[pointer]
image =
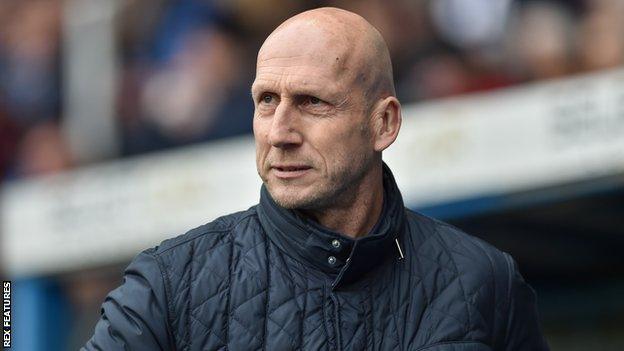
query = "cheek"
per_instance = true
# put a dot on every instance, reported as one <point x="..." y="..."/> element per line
<point x="341" y="148"/>
<point x="260" y="137"/>
<point x="257" y="126"/>
<point x="261" y="129"/>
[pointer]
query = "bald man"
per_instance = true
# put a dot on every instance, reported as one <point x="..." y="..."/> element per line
<point x="330" y="259"/>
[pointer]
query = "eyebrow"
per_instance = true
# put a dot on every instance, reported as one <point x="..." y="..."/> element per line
<point x="325" y="94"/>
<point x="257" y="87"/>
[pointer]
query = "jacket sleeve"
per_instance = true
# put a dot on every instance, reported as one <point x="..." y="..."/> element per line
<point x="134" y="316"/>
<point x="523" y="330"/>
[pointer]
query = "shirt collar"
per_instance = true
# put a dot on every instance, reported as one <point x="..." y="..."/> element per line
<point x="343" y="258"/>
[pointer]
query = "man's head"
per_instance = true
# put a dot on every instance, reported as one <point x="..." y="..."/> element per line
<point x="324" y="108"/>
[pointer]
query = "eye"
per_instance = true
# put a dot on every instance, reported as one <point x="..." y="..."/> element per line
<point x="267" y="98"/>
<point x="314" y="105"/>
<point x="310" y="100"/>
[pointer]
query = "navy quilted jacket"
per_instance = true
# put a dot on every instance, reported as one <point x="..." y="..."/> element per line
<point x="266" y="279"/>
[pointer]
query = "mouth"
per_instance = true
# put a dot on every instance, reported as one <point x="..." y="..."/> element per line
<point x="290" y="171"/>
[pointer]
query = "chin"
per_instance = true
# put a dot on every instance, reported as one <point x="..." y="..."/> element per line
<point x="290" y="197"/>
<point x="287" y="203"/>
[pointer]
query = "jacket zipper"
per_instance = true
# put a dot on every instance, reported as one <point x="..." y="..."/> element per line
<point x="336" y="321"/>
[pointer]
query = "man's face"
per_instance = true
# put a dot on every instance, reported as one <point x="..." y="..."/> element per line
<point x="312" y="139"/>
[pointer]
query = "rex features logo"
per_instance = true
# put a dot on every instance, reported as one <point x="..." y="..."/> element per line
<point x="6" y="314"/>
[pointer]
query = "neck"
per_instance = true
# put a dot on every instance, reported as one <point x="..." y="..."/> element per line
<point x="360" y="209"/>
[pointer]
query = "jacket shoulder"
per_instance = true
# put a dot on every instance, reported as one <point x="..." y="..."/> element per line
<point x="212" y="242"/>
<point x="194" y="265"/>
<point x="209" y="232"/>
<point x="468" y="271"/>
<point x="145" y="312"/>
<point x="431" y="236"/>
<point x="500" y="307"/>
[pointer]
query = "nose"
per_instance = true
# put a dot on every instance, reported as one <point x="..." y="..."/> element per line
<point x="284" y="131"/>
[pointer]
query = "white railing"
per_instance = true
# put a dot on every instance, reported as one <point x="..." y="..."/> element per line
<point x="511" y="140"/>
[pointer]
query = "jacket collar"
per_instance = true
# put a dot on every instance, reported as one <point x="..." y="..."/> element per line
<point x="343" y="258"/>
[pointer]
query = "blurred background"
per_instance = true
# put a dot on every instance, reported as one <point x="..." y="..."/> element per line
<point x="124" y="122"/>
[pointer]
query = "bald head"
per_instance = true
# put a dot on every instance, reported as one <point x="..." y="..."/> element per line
<point x="343" y="41"/>
<point x="324" y="111"/>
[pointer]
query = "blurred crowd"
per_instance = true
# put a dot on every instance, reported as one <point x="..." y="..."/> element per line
<point x="183" y="68"/>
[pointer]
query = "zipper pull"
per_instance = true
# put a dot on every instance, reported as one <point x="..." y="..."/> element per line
<point x="396" y="240"/>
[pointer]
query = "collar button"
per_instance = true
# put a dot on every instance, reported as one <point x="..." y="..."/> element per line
<point x="336" y="243"/>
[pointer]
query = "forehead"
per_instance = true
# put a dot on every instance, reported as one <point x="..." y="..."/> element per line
<point x="304" y="56"/>
<point x="305" y="38"/>
<point x="299" y="73"/>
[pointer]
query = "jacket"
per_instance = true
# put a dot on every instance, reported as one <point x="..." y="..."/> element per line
<point x="267" y="279"/>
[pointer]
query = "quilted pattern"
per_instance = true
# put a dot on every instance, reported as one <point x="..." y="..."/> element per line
<point x="260" y="280"/>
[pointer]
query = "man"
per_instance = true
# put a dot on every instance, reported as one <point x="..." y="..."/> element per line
<point x="329" y="259"/>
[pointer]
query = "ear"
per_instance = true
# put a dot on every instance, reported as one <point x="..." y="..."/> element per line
<point x="385" y="123"/>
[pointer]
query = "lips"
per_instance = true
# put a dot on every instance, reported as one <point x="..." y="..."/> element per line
<point x="291" y="168"/>
<point x="290" y="171"/>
